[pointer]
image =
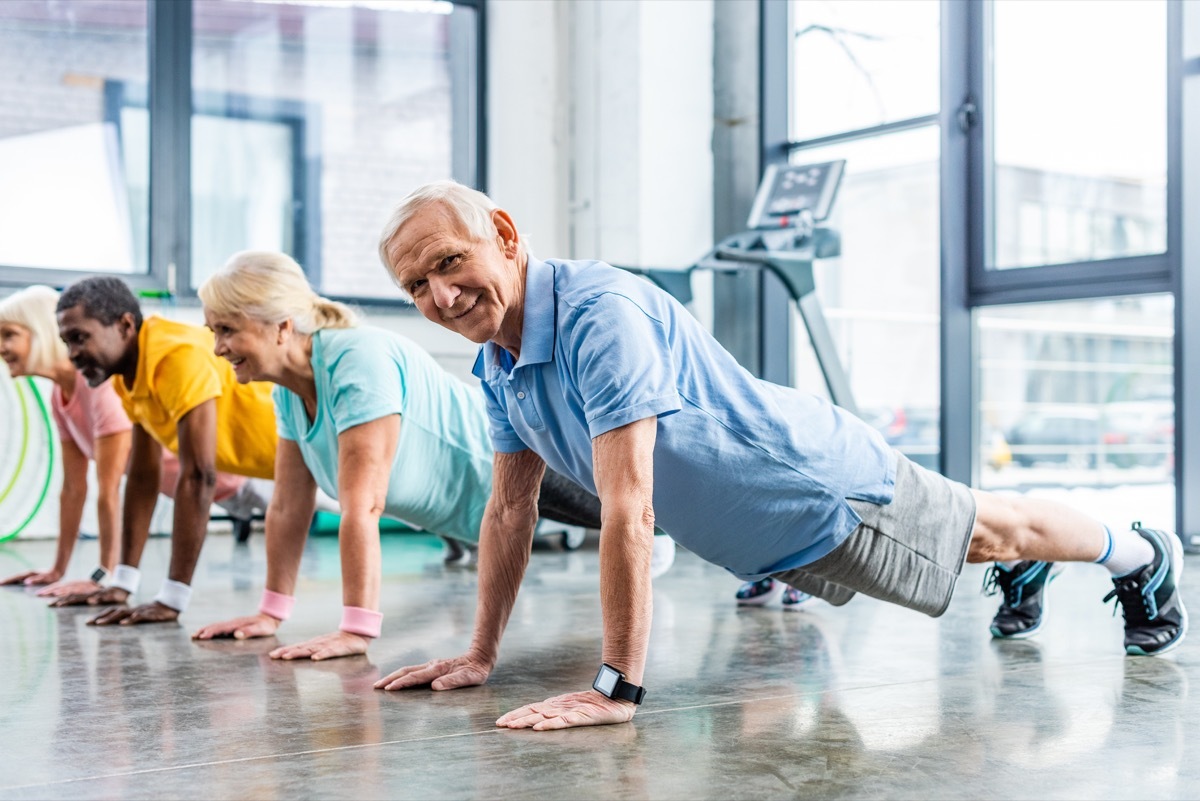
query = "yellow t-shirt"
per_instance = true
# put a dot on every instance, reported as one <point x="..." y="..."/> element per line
<point x="176" y="372"/>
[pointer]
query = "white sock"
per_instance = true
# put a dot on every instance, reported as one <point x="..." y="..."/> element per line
<point x="1124" y="552"/>
<point x="1010" y="565"/>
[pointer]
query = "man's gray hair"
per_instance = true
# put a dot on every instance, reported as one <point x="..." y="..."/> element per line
<point x="470" y="207"/>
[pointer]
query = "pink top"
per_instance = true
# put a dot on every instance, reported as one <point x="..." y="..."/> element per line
<point x="91" y="413"/>
<point x="96" y="412"/>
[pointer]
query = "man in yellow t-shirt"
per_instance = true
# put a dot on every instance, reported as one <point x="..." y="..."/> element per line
<point x="179" y="395"/>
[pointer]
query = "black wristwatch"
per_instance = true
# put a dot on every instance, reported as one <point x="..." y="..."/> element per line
<point x="99" y="575"/>
<point x="611" y="682"/>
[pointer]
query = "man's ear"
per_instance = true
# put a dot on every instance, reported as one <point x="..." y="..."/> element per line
<point x="128" y="325"/>
<point x="506" y="230"/>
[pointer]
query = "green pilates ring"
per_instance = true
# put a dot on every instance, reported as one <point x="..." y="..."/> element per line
<point x="12" y="482"/>
<point x="21" y="390"/>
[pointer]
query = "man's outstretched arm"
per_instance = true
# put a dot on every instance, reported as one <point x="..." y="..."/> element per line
<point x="197" y="432"/>
<point x="624" y="470"/>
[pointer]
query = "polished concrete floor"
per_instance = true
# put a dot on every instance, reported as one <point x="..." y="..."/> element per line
<point x="866" y="701"/>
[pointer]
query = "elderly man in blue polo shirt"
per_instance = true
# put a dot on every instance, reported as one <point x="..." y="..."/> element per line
<point x="607" y="379"/>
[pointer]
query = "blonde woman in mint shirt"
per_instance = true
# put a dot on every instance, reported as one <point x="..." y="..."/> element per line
<point x="370" y="418"/>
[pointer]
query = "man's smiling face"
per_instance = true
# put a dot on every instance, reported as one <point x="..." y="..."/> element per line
<point x="97" y="350"/>
<point x="467" y="285"/>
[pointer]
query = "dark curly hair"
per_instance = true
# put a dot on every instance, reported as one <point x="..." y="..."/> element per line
<point x="103" y="298"/>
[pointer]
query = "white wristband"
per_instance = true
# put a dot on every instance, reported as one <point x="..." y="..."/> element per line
<point x="126" y="578"/>
<point x="174" y="594"/>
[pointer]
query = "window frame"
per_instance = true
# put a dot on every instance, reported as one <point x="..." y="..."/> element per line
<point x="303" y="128"/>
<point x="1077" y="280"/>
<point x="966" y="282"/>
<point x="170" y="105"/>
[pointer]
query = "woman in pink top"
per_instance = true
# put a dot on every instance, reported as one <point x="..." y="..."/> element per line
<point x="92" y="426"/>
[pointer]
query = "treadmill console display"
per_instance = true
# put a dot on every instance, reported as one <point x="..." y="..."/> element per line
<point x="789" y="193"/>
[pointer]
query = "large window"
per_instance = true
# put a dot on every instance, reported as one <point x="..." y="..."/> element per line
<point x="862" y="64"/>
<point x="873" y="106"/>
<point x="308" y="122"/>
<point x="340" y="109"/>
<point x="881" y="294"/>
<point x="1011" y="224"/>
<point x="1080" y="394"/>
<point x="67" y="202"/>
<point x="1078" y="131"/>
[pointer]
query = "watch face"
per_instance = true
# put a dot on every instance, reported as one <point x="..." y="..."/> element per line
<point x="606" y="680"/>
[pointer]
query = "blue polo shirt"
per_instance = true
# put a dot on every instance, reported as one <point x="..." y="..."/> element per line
<point x="749" y="475"/>
<point x="441" y="475"/>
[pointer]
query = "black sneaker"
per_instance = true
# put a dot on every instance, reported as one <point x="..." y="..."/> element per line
<point x="1024" y="605"/>
<point x="1155" y="620"/>
<point x="793" y="599"/>
<point x="457" y="554"/>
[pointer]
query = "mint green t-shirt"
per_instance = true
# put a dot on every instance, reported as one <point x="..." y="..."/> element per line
<point x="442" y="473"/>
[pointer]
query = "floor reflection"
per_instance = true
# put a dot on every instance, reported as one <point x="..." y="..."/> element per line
<point x="865" y="700"/>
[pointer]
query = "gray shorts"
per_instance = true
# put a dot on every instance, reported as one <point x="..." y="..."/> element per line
<point x="909" y="552"/>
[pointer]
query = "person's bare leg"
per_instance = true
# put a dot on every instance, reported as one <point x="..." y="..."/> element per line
<point x="1018" y="528"/>
<point x="1145" y="565"/>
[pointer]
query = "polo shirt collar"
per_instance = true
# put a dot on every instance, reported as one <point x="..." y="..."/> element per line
<point x="537" y="329"/>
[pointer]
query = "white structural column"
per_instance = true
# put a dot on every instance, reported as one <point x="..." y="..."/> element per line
<point x="528" y="90"/>
<point x="600" y="126"/>
<point x="640" y="122"/>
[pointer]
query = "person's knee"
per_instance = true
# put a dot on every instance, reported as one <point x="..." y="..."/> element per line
<point x="1002" y="530"/>
<point x="986" y="547"/>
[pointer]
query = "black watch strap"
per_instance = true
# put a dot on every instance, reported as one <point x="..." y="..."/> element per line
<point x="629" y="692"/>
<point x="611" y="682"/>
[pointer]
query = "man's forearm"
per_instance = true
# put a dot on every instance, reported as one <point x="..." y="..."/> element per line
<point x="193" y="503"/>
<point x="624" y="468"/>
<point x="141" y="494"/>
<point x="504" y="545"/>
<point x="626" y="598"/>
<point x="108" y="513"/>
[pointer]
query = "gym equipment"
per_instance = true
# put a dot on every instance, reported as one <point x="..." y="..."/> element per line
<point x="783" y="238"/>
<point x="28" y="444"/>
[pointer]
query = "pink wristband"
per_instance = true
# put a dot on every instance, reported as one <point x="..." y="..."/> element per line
<point x="276" y="604"/>
<point x="357" y="620"/>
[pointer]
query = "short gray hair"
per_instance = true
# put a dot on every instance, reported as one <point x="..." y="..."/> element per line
<point x="470" y="207"/>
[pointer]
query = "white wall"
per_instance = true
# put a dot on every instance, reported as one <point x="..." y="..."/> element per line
<point x="605" y="150"/>
<point x="527" y="118"/>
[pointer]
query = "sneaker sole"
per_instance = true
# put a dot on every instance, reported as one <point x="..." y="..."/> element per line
<point x="1055" y="572"/>
<point x="763" y="599"/>
<point x="796" y="607"/>
<point x="1177" y="557"/>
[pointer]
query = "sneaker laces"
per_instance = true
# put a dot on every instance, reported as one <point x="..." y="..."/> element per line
<point x="996" y="580"/>
<point x="1128" y="592"/>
